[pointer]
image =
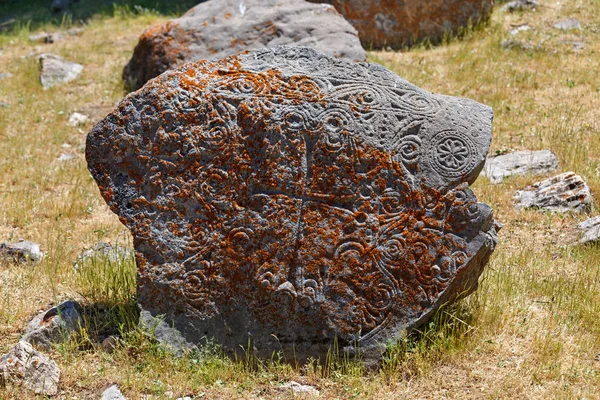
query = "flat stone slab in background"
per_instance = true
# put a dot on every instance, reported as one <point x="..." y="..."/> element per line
<point x="21" y="252"/>
<point x="568" y="24"/>
<point x="54" y="325"/>
<point x="519" y="163"/>
<point x="291" y="199"/>
<point x="520" y="5"/>
<point x="590" y="230"/>
<point x="56" y="70"/>
<point x="564" y="192"/>
<point x="398" y="23"/>
<point x="220" y="28"/>
<point x="27" y="366"/>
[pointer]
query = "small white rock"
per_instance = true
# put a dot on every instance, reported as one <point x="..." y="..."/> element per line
<point x="22" y="252"/>
<point x="113" y="393"/>
<point x="519" y="163"/>
<point x="298" y="388"/>
<point x="77" y="119"/>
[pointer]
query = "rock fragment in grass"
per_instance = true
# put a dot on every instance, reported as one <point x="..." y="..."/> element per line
<point x="590" y="230"/>
<point x="66" y="157"/>
<point x="219" y="28"/>
<point x="520" y="28"/>
<point x="113" y="393"/>
<point x="296" y="387"/>
<point x="3" y="104"/>
<point x="291" y="199"/>
<point x="77" y="119"/>
<point x="24" y="365"/>
<point x="525" y="162"/>
<point x="54" y="325"/>
<point x="23" y="251"/>
<point x="103" y="252"/>
<point x="516" y="44"/>
<point x="561" y="193"/>
<point x="568" y="24"/>
<point x="520" y="5"/>
<point x="56" y="70"/>
<point x="5" y="75"/>
<point x="46" y="37"/>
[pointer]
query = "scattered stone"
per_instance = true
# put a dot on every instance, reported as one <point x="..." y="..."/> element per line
<point x="75" y="31"/>
<point x="219" y="28"/>
<point x="185" y="398"/>
<point x="520" y="28"/>
<point x="3" y="104"/>
<point x="27" y="366"/>
<point x="5" y="75"/>
<point x="110" y="344"/>
<point x="103" y="252"/>
<point x="564" y="192"/>
<point x="400" y="23"/>
<point x="54" y="325"/>
<point x="590" y="230"/>
<point x="516" y="44"/>
<point x="578" y="45"/>
<point x="56" y="70"/>
<point x="61" y="5"/>
<point x="293" y="199"/>
<point x="45" y="37"/>
<point x="519" y="163"/>
<point x="66" y="157"/>
<point x="23" y="251"/>
<point x="298" y="388"/>
<point x="520" y="5"/>
<point x="77" y="119"/>
<point x="568" y="24"/>
<point x="113" y="393"/>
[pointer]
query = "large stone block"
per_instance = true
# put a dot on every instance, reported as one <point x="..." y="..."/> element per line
<point x="290" y="199"/>
<point x="220" y="28"/>
<point x="398" y="23"/>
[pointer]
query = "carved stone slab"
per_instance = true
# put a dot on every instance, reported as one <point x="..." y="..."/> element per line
<point x="292" y="199"/>
<point x="219" y="28"/>
<point x="398" y="23"/>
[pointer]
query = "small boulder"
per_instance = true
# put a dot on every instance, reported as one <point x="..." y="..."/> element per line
<point x="54" y="325"/>
<point x="27" y="366"/>
<point x="103" y="252"/>
<point x="113" y="393"/>
<point x="77" y="119"/>
<point x="23" y="251"/>
<point x="520" y="5"/>
<point x="590" y="229"/>
<point x="56" y="70"/>
<point x="564" y="192"/>
<point x="519" y="163"/>
<point x="568" y="24"/>
<point x="299" y="388"/>
<point x="45" y="37"/>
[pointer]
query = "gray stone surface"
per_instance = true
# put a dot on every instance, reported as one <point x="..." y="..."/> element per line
<point x="220" y="28"/>
<point x="27" y="366"/>
<point x="23" y="251"/>
<point x="103" y="252"/>
<point x="568" y="24"/>
<point x="525" y="162"/>
<point x="520" y="5"/>
<point x="113" y="393"/>
<point x="561" y="193"/>
<point x="54" y="325"/>
<point x="56" y="70"/>
<point x="296" y="387"/>
<point x="3" y="104"/>
<point x="590" y="230"/>
<point x="46" y="37"/>
<point x="289" y="199"/>
<point x="165" y="332"/>
<point x="5" y="75"/>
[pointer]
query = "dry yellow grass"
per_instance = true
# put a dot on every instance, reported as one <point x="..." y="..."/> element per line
<point x="531" y="331"/>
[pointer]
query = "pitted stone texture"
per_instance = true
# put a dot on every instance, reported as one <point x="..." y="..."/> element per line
<point x="27" y="366"/>
<point x="561" y="193"/>
<point x="23" y="251"/>
<point x="220" y="28"/>
<point x="398" y="23"/>
<point x="519" y="163"/>
<point x="590" y="230"/>
<point x="56" y="70"/>
<point x="54" y="325"/>
<point x="289" y="198"/>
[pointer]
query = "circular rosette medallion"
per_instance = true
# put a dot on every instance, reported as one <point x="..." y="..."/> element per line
<point x="452" y="154"/>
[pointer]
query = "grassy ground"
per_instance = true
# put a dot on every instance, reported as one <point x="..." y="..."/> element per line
<point x="531" y="331"/>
